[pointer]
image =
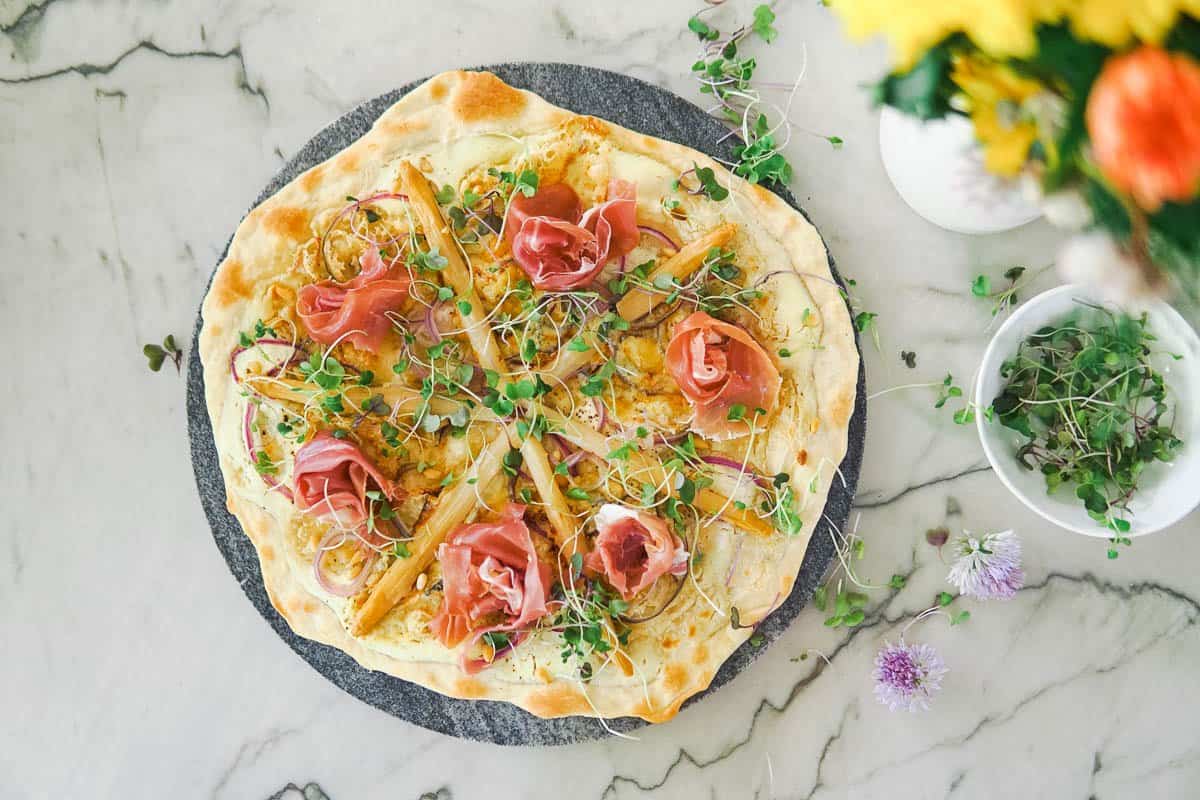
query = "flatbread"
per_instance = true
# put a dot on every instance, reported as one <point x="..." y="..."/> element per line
<point x="453" y="128"/>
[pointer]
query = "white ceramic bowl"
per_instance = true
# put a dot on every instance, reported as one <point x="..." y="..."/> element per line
<point x="1167" y="492"/>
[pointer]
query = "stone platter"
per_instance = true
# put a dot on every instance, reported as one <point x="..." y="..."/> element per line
<point x="634" y="104"/>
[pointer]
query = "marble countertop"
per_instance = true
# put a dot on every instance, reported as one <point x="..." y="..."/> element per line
<point x="134" y="135"/>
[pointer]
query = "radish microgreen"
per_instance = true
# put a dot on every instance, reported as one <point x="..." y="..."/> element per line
<point x="156" y="355"/>
<point x="1092" y="407"/>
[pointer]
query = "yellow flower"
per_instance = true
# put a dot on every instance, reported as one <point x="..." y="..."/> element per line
<point x="994" y="95"/>
<point x="1117" y="23"/>
<point x="999" y="27"/>
<point x="1005" y="28"/>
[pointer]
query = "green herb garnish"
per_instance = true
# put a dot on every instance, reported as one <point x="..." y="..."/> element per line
<point x="1092" y="407"/>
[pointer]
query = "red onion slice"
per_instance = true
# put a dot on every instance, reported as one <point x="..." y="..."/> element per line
<point x="251" y="450"/>
<point x="657" y="234"/>
<point x="285" y="358"/>
<point x="601" y="413"/>
<point x="430" y="322"/>
<point x="327" y="583"/>
<point x="723" y="461"/>
<point x="351" y="207"/>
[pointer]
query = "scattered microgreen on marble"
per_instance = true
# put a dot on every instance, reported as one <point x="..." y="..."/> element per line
<point x="726" y="74"/>
<point x="1004" y="298"/>
<point x="156" y="355"/>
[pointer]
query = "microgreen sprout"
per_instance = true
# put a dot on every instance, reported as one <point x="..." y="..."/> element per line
<point x="156" y="355"/>
<point x="1092" y="407"/>
<point x="1005" y="298"/>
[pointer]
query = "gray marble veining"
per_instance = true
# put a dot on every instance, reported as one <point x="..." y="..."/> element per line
<point x="133" y="136"/>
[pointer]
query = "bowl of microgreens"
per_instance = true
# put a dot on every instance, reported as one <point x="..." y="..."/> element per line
<point x="1091" y="413"/>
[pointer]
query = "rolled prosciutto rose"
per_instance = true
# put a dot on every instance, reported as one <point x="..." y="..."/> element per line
<point x="634" y="549"/>
<point x="716" y="366"/>
<point x="559" y="249"/>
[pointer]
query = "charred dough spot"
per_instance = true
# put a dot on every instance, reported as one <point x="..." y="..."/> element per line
<point x="675" y="678"/>
<point x="557" y="701"/>
<point x="310" y="180"/>
<point x="482" y="96"/>
<point x="470" y="688"/>
<point x="437" y="89"/>
<point x="287" y="222"/>
<point x="230" y="285"/>
<point x="349" y="160"/>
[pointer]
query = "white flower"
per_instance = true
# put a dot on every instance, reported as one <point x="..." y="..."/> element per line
<point x="988" y="568"/>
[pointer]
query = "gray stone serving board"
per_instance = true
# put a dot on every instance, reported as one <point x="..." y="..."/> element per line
<point x="634" y="104"/>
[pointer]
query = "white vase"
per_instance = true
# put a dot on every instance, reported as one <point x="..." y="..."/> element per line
<point x="937" y="168"/>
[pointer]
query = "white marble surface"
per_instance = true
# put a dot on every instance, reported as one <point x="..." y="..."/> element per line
<point x="132" y="137"/>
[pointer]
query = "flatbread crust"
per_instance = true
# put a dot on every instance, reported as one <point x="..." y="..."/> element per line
<point x="677" y="654"/>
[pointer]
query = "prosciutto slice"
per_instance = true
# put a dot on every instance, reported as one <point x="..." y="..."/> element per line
<point x="559" y="249"/>
<point x="489" y="568"/>
<point x="332" y="477"/>
<point x="331" y="310"/>
<point x="716" y="366"/>
<point x="634" y="549"/>
<point x="554" y="200"/>
<point x="614" y="222"/>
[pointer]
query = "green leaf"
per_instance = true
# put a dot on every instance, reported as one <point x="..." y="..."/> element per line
<point x="864" y="320"/>
<point x="702" y="29"/>
<point x="925" y="90"/>
<point x="155" y="355"/>
<point x="819" y="598"/>
<point x="763" y="19"/>
<point x="527" y="183"/>
<point x="575" y="493"/>
<point x="445" y="196"/>
<point x="708" y="183"/>
<point x="981" y="286"/>
<point x="944" y="599"/>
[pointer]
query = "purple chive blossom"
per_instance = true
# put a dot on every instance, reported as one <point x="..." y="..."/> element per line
<point x="908" y="675"/>
<point x="988" y="568"/>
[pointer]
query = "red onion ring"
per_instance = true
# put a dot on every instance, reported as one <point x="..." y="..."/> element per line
<point x="657" y="234"/>
<point x="601" y="412"/>
<point x="473" y="665"/>
<point x="431" y="327"/>
<point x="248" y="436"/>
<point x="352" y="206"/>
<point x="723" y="461"/>
<point x="233" y="357"/>
<point x="339" y="589"/>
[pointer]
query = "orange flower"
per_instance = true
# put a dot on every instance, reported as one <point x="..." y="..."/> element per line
<point x="1143" y="116"/>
